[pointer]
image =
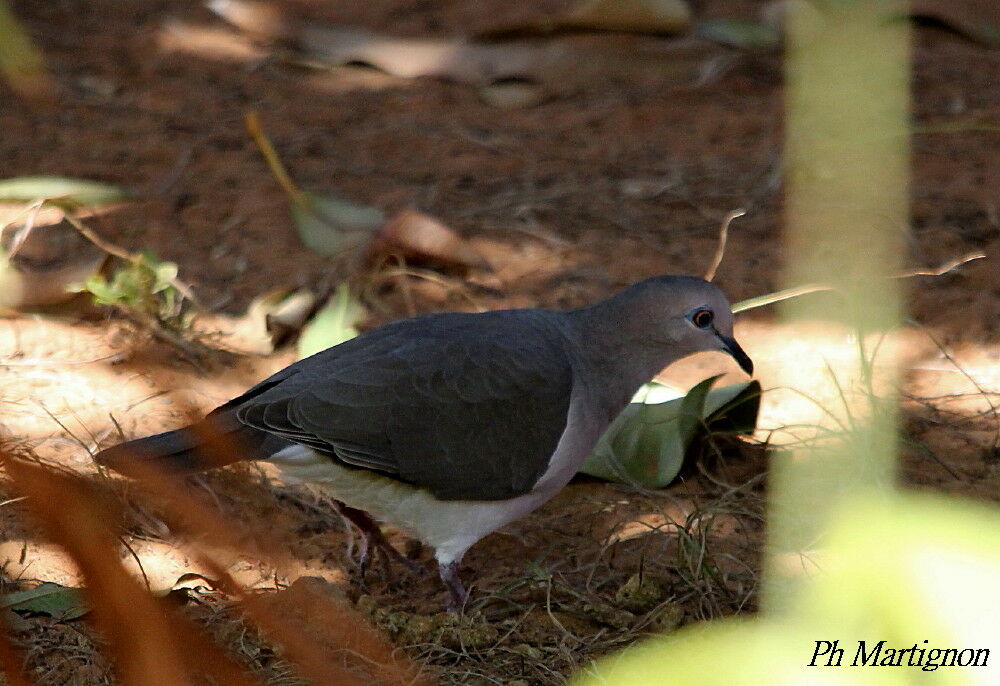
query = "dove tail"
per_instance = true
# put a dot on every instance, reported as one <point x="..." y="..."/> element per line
<point x="196" y="448"/>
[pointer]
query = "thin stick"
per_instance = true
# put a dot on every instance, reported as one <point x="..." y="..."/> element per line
<point x="788" y="293"/>
<point x="944" y="268"/>
<point x="720" y="250"/>
<point x="109" y="248"/>
<point x="22" y="234"/>
<point x="295" y="194"/>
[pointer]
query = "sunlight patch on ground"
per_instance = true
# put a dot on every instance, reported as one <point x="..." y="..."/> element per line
<point x="795" y="364"/>
<point x="80" y="377"/>
<point x="671" y="518"/>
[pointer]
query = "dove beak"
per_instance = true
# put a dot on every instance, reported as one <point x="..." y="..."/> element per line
<point x="730" y="345"/>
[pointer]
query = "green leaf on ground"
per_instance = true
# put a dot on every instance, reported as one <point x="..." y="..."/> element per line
<point x="329" y="225"/>
<point x="647" y="442"/>
<point x="79" y="192"/>
<point x="333" y="324"/>
<point x="145" y="286"/>
<point x="60" y="602"/>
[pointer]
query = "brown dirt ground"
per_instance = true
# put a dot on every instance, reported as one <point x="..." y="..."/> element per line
<point x="604" y="183"/>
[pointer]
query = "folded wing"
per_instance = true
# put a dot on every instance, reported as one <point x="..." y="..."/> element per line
<point x="471" y="408"/>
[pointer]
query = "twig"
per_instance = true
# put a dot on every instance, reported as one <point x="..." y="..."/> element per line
<point x="138" y="562"/>
<point x="37" y="362"/>
<point x="720" y="250"/>
<point x="295" y="194"/>
<point x="190" y="351"/>
<point x="788" y="293"/>
<point x="109" y="248"/>
<point x="401" y="282"/>
<point x="451" y="285"/>
<point x="66" y="429"/>
<point x="944" y="268"/>
<point x="22" y="234"/>
<point x="982" y="392"/>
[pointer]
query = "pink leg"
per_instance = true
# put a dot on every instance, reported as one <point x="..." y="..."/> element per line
<point x="457" y="593"/>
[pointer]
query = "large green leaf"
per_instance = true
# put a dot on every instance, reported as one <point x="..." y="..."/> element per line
<point x="60" y="602"/>
<point x="647" y="442"/>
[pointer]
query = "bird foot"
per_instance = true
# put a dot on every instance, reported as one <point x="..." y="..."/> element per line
<point x="372" y="539"/>
<point x="457" y="595"/>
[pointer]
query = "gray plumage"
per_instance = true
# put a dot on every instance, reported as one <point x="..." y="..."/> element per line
<point x="457" y="423"/>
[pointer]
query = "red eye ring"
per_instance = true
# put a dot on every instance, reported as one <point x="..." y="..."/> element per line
<point x="702" y="318"/>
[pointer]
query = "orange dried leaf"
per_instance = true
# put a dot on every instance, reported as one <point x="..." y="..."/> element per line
<point x="418" y="237"/>
<point x="83" y="523"/>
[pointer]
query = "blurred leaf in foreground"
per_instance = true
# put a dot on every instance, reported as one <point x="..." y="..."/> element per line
<point x="333" y="324"/>
<point x="50" y="599"/>
<point x="75" y="192"/>
<point x="20" y="60"/>
<point x="647" y="442"/>
<point x="901" y="570"/>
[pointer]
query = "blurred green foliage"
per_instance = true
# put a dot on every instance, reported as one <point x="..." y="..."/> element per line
<point x="917" y="572"/>
<point x="143" y="286"/>
<point x="20" y="61"/>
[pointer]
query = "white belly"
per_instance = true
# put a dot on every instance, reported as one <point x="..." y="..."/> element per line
<point x="451" y="526"/>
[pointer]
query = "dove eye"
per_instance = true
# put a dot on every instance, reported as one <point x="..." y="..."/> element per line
<point x="702" y="318"/>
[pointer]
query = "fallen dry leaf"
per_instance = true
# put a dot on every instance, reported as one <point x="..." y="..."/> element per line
<point x="41" y="256"/>
<point x="418" y="237"/>
<point x="456" y="59"/>
<point x="271" y="319"/>
<point x="462" y="59"/>
<point x="260" y="19"/>
<point x="975" y="19"/>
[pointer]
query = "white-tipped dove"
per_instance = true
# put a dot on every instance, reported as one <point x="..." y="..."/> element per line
<point x="449" y="426"/>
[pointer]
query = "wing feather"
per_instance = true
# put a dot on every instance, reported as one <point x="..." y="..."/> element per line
<point x="468" y="406"/>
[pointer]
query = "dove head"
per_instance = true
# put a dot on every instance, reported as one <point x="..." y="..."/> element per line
<point x="665" y="318"/>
